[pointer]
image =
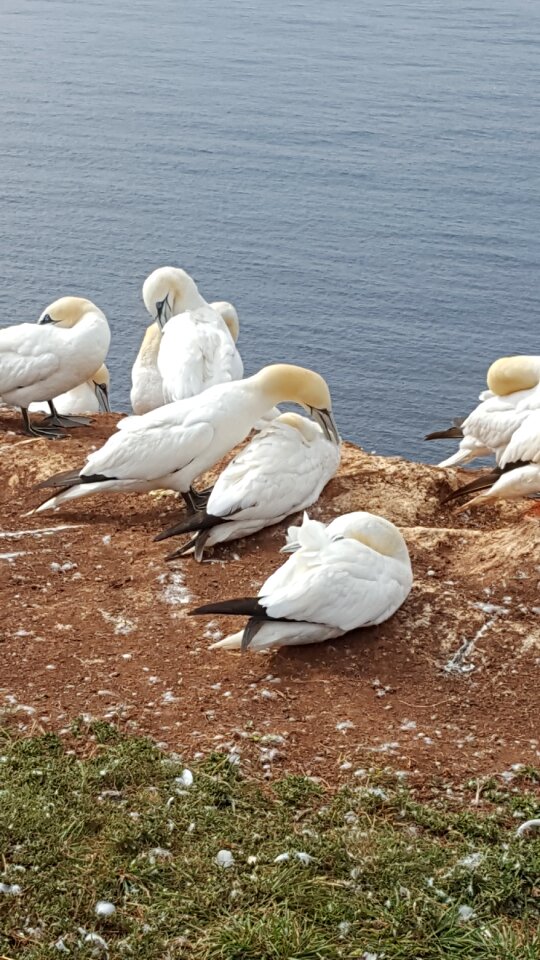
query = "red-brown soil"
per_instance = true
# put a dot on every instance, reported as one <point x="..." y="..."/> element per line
<point x="95" y="623"/>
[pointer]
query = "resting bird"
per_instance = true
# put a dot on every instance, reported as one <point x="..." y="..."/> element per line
<point x="40" y="361"/>
<point x="356" y="572"/>
<point x="170" y="447"/>
<point x="518" y="472"/>
<point x="146" y="383"/>
<point x="89" y="397"/>
<point x="282" y="470"/>
<point x="190" y="347"/>
<point x="514" y="390"/>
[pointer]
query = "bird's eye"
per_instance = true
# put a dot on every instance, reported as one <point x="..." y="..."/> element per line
<point x="46" y="319"/>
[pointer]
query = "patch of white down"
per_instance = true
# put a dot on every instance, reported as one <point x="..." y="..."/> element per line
<point x="212" y="631"/>
<point x="175" y="593"/>
<point x="224" y="859"/>
<point x="122" y="625"/>
<point x="40" y="532"/>
<point x="10" y="557"/>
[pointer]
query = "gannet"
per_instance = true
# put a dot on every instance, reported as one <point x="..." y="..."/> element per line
<point x="198" y="346"/>
<point x="282" y="470"/>
<point x="356" y="572"/>
<point x="513" y="390"/>
<point x="518" y="471"/>
<point x="170" y="447"/>
<point x="89" y="397"/>
<point x="190" y="346"/>
<point x="146" y="378"/>
<point x="40" y="361"/>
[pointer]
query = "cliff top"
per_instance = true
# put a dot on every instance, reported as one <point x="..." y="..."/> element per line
<point x="95" y="624"/>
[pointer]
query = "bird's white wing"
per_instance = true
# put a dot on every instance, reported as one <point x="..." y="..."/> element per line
<point x="27" y="355"/>
<point x="494" y="421"/>
<point x="278" y="473"/>
<point x="196" y="352"/>
<point x="524" y="445"/>
<point x="149" y="451"/>
<point x="345" y="585"/>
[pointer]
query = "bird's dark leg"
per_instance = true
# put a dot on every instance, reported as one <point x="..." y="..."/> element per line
<point x="196" y="501"/>
<point x="50" y="432"/>
<point x="59" y="420"/>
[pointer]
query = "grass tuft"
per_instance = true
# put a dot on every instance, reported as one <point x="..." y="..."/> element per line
<point x="367" y="870"/>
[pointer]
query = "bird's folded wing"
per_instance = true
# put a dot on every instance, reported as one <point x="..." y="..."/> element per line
<point x="493" y="422"/>
<point x="276" y="474"/>
<point x="181" y="358"/>
<point x="524" y="445"/>
<point x="149" y="453"/>
<point x="346" y="585"/>
<point x="27" y="356"/>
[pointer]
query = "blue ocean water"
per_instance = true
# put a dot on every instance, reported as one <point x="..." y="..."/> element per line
<point x="360" y="178"/>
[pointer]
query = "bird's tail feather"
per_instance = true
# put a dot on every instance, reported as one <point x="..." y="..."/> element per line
<point x="70" y="493"/>
<point x="184" y="549"/>
<point x="232" y="642"/>
<point x="454" y="432"/>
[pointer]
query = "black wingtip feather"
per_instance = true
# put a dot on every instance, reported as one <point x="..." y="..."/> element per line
<point x="453" y="433"/>
<point x="68" y="478"/>
<point x="201" y="520"/>
<point x="244" y="606"/>
<point x="481" y="483"/>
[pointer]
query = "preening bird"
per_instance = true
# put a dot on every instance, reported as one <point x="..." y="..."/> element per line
<point x="356" y="572"/>
<point x="514" y="390"/>
<point x="190" y="347"/>
<point x="170" y="447"/>
<point x="89" y="397"/>
<point x="282" y="470"/>
<point x="40" y="361"/>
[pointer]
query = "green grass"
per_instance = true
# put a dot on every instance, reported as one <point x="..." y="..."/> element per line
<point x="108" y="821"/>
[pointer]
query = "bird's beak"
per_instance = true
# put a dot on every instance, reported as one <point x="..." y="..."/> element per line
<point x="326" y="420"/>
<point x="161" y="312"/>
<point x="102" y="394"/>
<point x="46" y="319"/>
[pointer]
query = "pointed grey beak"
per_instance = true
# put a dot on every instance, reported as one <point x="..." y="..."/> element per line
<point x="102" y="395"/>
<point x="161" y="312"/>
<point x="326" y="420"/>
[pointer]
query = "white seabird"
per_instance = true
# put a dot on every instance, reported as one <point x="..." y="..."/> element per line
<point x="514" y="390"/>
<point x="40" y="361"/>
<point x="146" y="383"/>
<point x="282" y="470"/>
<point x="356" y="572"/>
<point x="170" y="447"/>
<point x="190" y="346"/>
<point x="89" y="397"/>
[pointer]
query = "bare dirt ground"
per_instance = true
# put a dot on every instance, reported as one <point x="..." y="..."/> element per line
<point x="95" y="623"/>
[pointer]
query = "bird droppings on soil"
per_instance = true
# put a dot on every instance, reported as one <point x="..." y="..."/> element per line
<point x="95" y="624"/>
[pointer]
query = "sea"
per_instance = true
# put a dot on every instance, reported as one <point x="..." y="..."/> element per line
<point x="360" y="178"/>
